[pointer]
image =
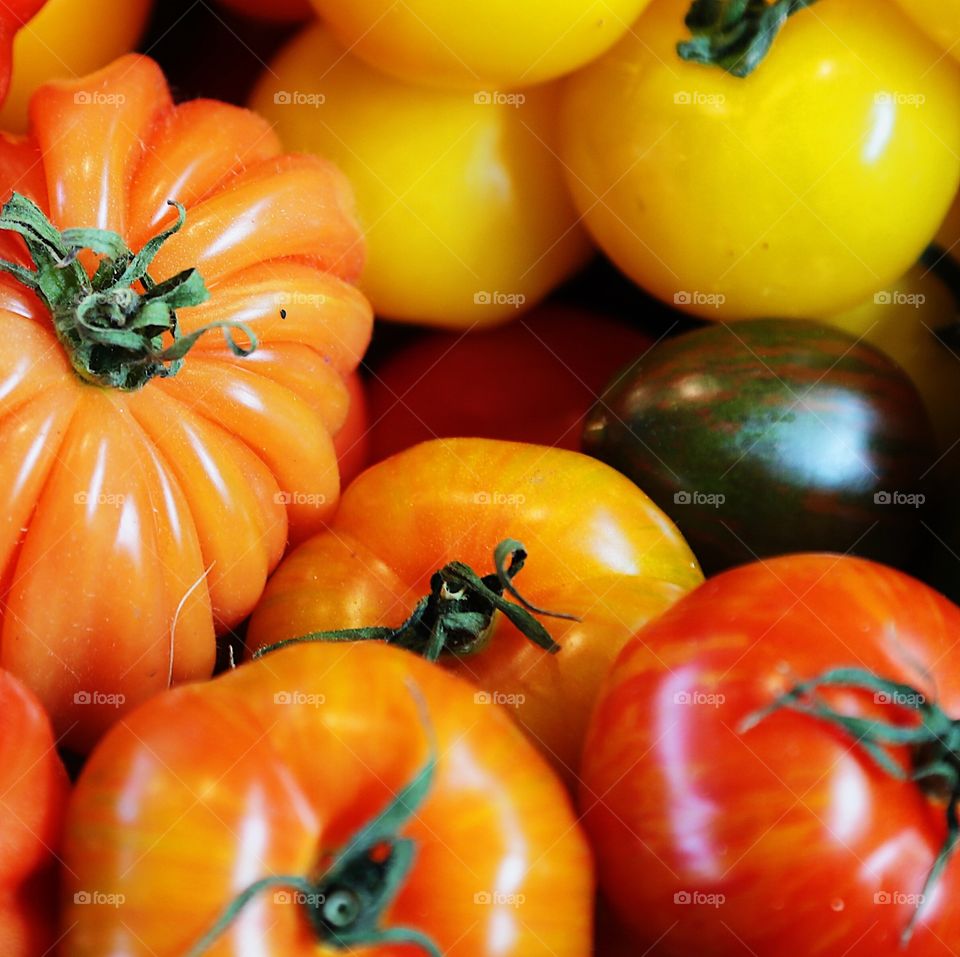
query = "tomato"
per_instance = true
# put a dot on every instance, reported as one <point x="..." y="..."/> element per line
<point x="598" y="549"/>
<point x="773" y="832"/>
<point x="465" y="211"/>
<point x="33" y="792"/>
<point x="795" y="192"/>
<point x="146" y="502"/>
<point x="531" y="381"/>
<point x="281" y="10"/>
<point x="13" y="16"/>
<point x="69" y="38"/>
<point x="479" y="42"/>
<point x="776" y="436"/>
<point x="940" y="19"/>
<point x="352" y="442"/>
<point x="904" y="321"/>
<point x="272" y="772"/>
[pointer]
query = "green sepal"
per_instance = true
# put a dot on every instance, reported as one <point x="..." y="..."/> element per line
<point x="735" y="35"/>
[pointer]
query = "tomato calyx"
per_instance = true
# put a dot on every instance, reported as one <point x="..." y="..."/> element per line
<point x="933" y="740"/>
<point x="735" y="35"/>
<point x="457" y="616"/>
<point x="113" y="326"/>
<point x="346" y="902"/>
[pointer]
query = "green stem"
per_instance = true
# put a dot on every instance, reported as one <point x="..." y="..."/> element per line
<point x="119" y="328"/>
<point x="345" y="904"/>
<point x="933" y="740"/>
<point x="735" y="35"/>
<point x="457" y="616"/>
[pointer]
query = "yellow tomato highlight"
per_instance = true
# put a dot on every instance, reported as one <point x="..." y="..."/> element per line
<point x="795" y="192"/>
<point x="463" y="203"/>
<point x="69" y="38"/>
<point x="474" y="43"/>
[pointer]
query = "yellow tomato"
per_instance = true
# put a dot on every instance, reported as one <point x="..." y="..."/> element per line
<point x="795" y="192"/>
<point x="940" y="19"/>
<point x="903" y="321"/>
<point x="470" y="44"/>
<point x="69" y="38"/>
<point x="462" y="200"/>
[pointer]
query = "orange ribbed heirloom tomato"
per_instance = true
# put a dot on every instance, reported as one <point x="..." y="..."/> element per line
<point x="146" y="494"/>
<point x="598" y="549"/>
<point x="774" y="767"/>
<point x="322" y="801"/>
<point x="33" y="793"/>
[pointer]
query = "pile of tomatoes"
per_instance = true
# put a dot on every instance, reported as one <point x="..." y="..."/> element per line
<point x="478" y="480"/>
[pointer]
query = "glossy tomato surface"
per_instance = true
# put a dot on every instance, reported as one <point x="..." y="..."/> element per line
<point x="67" y="39"/>
<point x="460" y="195"/>
<point x="474" y="43"/>
<point x="33" y="791"/>
<point x="773" y="436"/>
<point x="795" y="192"/>
<point x="530" y="381"/>
<point x="139" y="522"/>
<point x="940" y="19"/>
<point x="598" y="549"/>
<point x="271" y="768"/>
<point x="782" y="836"/>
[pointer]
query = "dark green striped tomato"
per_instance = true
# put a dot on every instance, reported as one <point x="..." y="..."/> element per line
<point x="769" y="437"/>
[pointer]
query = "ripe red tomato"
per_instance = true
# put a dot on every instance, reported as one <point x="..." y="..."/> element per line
<point x="777" y="835"/>
<point x="598" y="549"/>
<point x="33" y="792"/>
<point x="275" y="772"/>
<point x="145" y="502"/>
<point x="530" y="381"/>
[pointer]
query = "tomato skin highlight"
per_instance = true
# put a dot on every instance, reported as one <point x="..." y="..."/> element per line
<point x="142" y="522"/>
<point x="269" y="767"/>
<point x="466" y="215"/>
<point x="33" y="795"/>
<point x="775" y="195"/>
<point x="785" y="836"/>
<point x="530" y="381"/>
<point x="597" y="546"/>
